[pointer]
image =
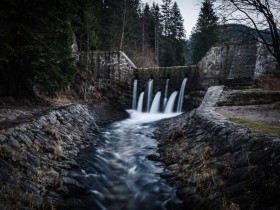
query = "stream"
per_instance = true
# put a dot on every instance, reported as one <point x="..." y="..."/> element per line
<point x="118" y="173"/>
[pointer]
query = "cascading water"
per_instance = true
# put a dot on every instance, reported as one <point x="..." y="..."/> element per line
<point x="170" y="103"/>
<point x="140" y="102"/>
<point x="156" y="103"/>
<point x="134" y="98"/>
<point x="154" y="107"/>
<point x="117" y="172"/>
<point x="165" y="93"/>
<point x="181" y="95"/>
<point x="150" y="94"/>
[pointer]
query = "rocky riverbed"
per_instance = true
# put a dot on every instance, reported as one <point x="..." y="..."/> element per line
<point x="214" y="163"/>
<point x="38" y="147"/>
<point x="217" y="164"/>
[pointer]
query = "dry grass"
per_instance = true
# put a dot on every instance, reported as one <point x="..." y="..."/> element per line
<point x="228" y="205"/>
<point x="256" y="126"/>
<point x="17" y="198"/>
<point x="57" y="149"/>
<point x="276" y="105"/>
<point x="268" y="82"/>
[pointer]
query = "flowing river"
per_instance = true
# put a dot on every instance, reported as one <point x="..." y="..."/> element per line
<point x="117" y="171"/>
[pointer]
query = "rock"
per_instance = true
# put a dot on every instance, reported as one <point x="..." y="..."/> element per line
<point x="154" y="157"/>
<point x="3" y="138"/>
<point x="4" y="165"/>
<point x="13" y="142"/>
<point x="166" y="174"/>
<point x="63" y="190"/>
<point x="225" y="160"/>
<point x="30" y="187"/>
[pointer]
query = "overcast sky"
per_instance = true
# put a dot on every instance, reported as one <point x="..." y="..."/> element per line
<point x="189" y="10"/>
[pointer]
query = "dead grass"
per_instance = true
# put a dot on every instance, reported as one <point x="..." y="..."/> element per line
<point x="17" y="198"/>
<point x="276" y="105"/>
<point x="256" y="126"/>
<point x="268" y="82"/>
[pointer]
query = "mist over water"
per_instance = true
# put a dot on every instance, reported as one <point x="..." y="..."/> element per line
<point x="117" y="171"/>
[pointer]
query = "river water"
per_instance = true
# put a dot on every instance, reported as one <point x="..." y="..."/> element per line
<point x="117" y="171"/>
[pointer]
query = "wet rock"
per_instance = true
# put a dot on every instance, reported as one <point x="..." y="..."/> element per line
<point x="29" y="162"/>
<point x="224" y="160"/>
<point x="74" y="186"/>
<point x="154" y="157"/>
<point x="3" y="138"/>
<point x="166" y="174"/>
<point x="30" y="187"/>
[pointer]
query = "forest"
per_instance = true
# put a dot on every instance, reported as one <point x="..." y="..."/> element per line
<point x="37" y="37"/>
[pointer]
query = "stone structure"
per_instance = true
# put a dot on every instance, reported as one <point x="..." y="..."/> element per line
<point x="224" y="64"/>
<point x="112" y="73"/>
<point x="265" y="63"/>
<point x="217" y="164"/>
<point x="36" y="158"/>
<point x="235" y="65"/>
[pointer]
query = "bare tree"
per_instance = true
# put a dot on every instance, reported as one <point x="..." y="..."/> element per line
<point x="262" y="15"/>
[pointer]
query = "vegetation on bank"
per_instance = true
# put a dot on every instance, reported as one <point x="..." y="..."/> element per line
<point x="276" y="105"/>
<point x="256" y="126"/>
<point x="38" y="38"/>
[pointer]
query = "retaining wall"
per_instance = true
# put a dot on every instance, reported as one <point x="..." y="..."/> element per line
<point x="217" y="164"/>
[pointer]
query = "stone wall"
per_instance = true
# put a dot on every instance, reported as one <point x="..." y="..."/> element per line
<point x="175" y="74"/>
<point x="113" y="73"/>
<point x="36" y="157"/>
<point x="265" y="63"/>
<point x="109" y="73"/>
<point x="217" y="164"/>
<point x="223" y="63"/>
<point x="235" y="65"/>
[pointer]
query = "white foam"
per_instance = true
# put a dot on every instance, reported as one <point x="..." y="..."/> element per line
<point x="140" y="117"/>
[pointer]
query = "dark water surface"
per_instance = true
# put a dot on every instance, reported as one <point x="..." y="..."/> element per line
<point x="117" y="172"/>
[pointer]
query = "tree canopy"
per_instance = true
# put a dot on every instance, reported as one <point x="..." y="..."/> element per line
<point x="262" y="16"/>
<point x="204" y="34"/>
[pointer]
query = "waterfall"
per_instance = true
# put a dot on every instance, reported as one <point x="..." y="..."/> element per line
<point x="181" y="95"/>
<point x="150" y="93"/>
<point x="140" y="102"/>
<point x="134" y="98"/>
<point x="165" y="93"/>
<point x="170" y="103"/>
<point x="156" y="103"/>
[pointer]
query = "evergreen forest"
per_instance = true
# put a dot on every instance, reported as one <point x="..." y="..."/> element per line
<point x="37" y="37"/>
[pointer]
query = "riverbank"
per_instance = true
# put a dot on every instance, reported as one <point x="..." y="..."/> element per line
<point x="38" y="146"/>
<point x="217" y="164"/>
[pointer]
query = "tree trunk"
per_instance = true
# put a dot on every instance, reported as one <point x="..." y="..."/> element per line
<point x="123" y="26"/>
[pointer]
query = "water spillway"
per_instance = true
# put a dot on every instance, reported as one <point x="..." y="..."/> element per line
<point x="154" y="103"/>
<point x="170" y="103"/>
<point x="165" y="93"/>
<point x="118" y="173"/>
<point x="181" y="95"/>
<point x="150" y="94"/>
<point x="140" y="102"/>
<point x="134" y="96"/>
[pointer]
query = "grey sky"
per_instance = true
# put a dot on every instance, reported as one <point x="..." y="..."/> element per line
<point x="189" y="10"/>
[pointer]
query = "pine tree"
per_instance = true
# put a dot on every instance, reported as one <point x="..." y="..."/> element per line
<point x="36" y="41"/>
<point x="204" y="35"/>
<point x="166" y="17"/>
<point x="172" y="48"/>
<point x="155" y="31"/>
<point x="178" y="35"/>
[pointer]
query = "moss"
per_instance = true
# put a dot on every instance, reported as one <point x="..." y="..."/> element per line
<point x="257" y="126"/>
